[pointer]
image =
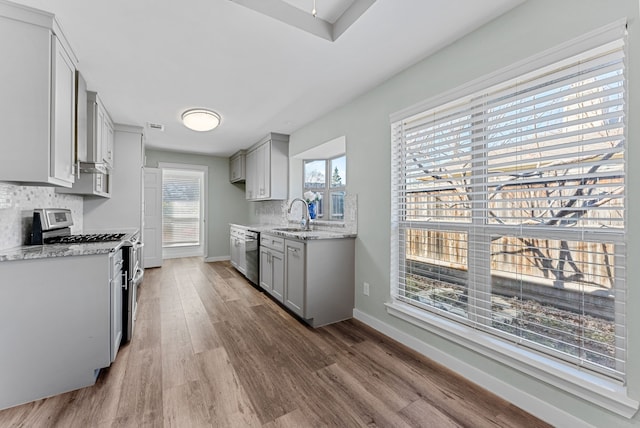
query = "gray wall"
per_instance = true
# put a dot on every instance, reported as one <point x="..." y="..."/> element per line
<point x="531" y="28"/>
<point x="226" y="201"/>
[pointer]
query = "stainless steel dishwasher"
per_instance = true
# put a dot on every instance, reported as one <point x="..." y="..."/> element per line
<point x="252" y="255"/>
<point x="245" y="252"/>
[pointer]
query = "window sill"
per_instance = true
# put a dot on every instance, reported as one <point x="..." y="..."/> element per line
<point x="603" y="392"/>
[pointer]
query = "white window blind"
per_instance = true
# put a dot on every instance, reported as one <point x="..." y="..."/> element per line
<point x="509" y="210"/>
<point x="181" y="210"/>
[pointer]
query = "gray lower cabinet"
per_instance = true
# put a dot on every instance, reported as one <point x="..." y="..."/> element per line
<point x="55" y="324"/>
<point x="272" y="265"/>
<point x="295" y="276"/>
<point x="116" y="281"/>
<point x="313" y="278"/>
<point x="238" y="249"/>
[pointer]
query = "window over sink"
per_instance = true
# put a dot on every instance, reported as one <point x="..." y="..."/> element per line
<point x="328" y="178"/>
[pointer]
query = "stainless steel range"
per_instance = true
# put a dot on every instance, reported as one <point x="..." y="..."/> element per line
<point x="52" y="226"/>
<point x="135" y="274"/>
<point x="85" y="238"/>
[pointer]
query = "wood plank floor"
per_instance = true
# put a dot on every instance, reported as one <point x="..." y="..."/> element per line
<point x="211" y="350"/>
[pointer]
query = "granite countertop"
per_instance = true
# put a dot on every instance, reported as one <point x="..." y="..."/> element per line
<point x="27" y="252"/>
<point x="297" y="233"/>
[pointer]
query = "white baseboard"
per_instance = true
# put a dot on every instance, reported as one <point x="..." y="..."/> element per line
<point x="529" y="403"/>
<point x="217" y="259"/>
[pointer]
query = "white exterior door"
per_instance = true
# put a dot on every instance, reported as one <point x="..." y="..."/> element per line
<point x="152" y="237"/>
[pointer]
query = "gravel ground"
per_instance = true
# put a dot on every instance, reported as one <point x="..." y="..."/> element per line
<point x="583" y="336"/>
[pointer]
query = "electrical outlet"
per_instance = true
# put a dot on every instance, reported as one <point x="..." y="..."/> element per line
<point x="365" y="288"/>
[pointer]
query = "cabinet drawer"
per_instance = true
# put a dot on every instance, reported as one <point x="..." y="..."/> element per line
<point x="236" y="232"/>
<point x="272" y="242"/>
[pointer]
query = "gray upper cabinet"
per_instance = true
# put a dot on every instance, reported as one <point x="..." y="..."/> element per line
<point x="267" y="169"/>
<point x="100" y="137"/>
<point x="96" y="156"/>
<point x="63" y="112"/>
<point x="237" y="167"/>
<point x="37" y="111"/>
<point x="251" y="181"/>
<point x="90" y="184"/>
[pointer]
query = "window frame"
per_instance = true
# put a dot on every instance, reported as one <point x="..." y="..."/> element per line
<point x="194" y="177"/>
<point x="598" y="389"/>
<point x="191" y="250"/>
<point x="328" y="189"/>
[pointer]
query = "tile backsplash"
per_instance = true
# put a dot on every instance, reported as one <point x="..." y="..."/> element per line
<point x="275" y="213"/>
<point x="16" y="211"/>
<point x="271" y="212"/>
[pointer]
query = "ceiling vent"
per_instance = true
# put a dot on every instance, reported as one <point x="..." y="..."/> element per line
<point x="155" y="126"/>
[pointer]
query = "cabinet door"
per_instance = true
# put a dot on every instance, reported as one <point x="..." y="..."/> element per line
<point x="252" y="175"/>
<point x="264" y="170"/>
<point x="107" y="141"/>
<point x="116" y="315"/>
<point x="99" y="183"/>
<point x="267" y="170"/>
<point x="37" y="112"/>
<point x="233" y="169"/>
<point x="236" y="168"/>
<point x="266" y="272"/>
<point x="277" y="267"/>
<point x="63" y="112"/>
<point x="102" y="185"/>
<point x="94" y="130"/>
<point x="238" y="253"/>
<point x="24" y="112"/>
<point x="232" y="252"/>
<point x="104" y="137"/>
<point x="295" y="276"/>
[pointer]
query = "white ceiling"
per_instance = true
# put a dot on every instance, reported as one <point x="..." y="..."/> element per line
<point x="150" y="60"/>
<point x="329" y="21"/>
<point x="329" y="10"/>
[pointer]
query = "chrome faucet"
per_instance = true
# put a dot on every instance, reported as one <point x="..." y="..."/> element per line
<point x="306" y="221"/>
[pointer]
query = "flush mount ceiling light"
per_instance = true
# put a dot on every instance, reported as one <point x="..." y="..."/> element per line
<point x="199" y="119"/>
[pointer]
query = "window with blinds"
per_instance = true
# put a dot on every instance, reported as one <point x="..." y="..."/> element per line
<point x="181" y="207"/>
<point x="509" y="213"/>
